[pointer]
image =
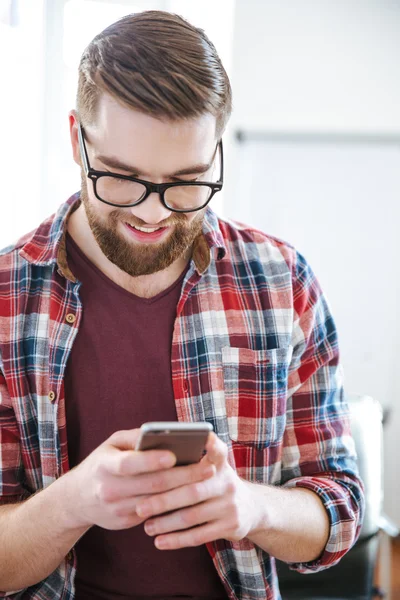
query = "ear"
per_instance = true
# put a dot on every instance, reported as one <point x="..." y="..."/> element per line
<point x="73" y="131"/>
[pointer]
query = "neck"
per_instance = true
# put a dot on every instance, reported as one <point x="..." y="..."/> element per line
<point x="145" y="286"/>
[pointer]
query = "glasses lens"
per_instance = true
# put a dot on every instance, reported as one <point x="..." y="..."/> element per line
<point x="119" y="191"/>
<point x="187" y="197"/>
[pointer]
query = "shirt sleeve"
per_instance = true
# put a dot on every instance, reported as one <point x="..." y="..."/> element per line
<point x="11" y="469"/>
<point x="319" y="452"/>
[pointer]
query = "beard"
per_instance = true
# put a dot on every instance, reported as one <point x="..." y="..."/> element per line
<point x="138" y="259"/>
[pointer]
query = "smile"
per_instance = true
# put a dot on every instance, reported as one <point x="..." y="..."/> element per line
<point x="146" y="234"/>
<point x="146" y="229"/>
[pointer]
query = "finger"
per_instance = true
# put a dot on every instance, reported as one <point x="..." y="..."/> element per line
<point x="188" y="517"/>
<point x="124" y="507"/>
<point x="169" y="479"/>
<point x="191" y="537"/>
<point x="155" y="483"/>
<point x="187" y="495"/>
<point x="124" y="439"/>
<point x="217" y="451"/>
<point x="131" y="462"/>
<point x="122" y="515"/>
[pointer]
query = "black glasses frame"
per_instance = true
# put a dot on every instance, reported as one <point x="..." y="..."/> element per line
<point x="159" y="188"/>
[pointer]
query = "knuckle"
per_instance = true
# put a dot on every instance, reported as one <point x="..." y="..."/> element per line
<point x="230" y="487"/>
<point x="108" y="495"/>
<point x="196" y="539"/>
<point x="113" y="438"/>
<point x="97" y="491"/>
<point x="103" y="493"/>
<point x="158" y="506"/>
<point x="123" y="465"/>
<point x="196" y="473"/>
<point x="126" y="521"/>
<point x="122" y="514"/>
<point x="236" y="521"/>
<point x="158" y="483"/>
<point x="118" y="512"/>
<point x="187" y="518"/>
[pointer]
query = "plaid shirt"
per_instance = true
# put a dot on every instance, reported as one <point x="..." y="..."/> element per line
<point x="254" y="352"/>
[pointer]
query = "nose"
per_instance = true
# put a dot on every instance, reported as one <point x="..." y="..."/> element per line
<point x="151" y="211"/>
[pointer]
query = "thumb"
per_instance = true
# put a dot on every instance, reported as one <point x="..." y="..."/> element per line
<point x="217" y="451"/>
<point x="125" y="439"/>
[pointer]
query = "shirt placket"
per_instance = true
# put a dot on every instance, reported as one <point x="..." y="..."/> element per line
<point x="181" y="378"/>
<point x="62" y="337"/>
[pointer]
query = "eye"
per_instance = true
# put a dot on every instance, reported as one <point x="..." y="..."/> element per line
<point x="119" y="180"/>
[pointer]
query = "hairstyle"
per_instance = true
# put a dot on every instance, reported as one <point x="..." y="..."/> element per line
<point x="157" y="63"/>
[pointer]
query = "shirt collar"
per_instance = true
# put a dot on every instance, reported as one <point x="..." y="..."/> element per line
<point x="210" y="243"/>
<point x="47" y="244"/>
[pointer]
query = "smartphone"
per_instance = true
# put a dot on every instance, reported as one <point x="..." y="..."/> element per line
<point x="186" y="440"/>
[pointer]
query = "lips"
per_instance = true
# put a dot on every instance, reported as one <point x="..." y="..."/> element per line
<point x="146" y="236"/>
<point x="146" y="229"/>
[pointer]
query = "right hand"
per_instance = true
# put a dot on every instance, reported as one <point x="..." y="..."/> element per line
<point x="104" y="489"/>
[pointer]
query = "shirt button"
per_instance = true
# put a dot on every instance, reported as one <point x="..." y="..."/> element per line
<point x="51" y="396"/>
<point x="70" y="318"/>
<point x="69" y="555"/>
<point x="185" y="385"/>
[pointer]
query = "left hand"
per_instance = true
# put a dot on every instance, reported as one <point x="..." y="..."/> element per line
<point x="221" y="507"/>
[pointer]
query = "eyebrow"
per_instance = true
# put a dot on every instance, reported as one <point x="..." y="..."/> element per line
<point x="115" y="163"/>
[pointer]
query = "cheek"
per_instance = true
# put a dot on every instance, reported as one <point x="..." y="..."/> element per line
<point x="101" y="212"/>
<point x="112" y="216"/>
<point x="194" y="218"/>
<point x="95" y="206"/>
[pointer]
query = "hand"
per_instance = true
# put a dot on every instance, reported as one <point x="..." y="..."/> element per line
<point x="221" y="507"/>
<point x="105" y="488"/>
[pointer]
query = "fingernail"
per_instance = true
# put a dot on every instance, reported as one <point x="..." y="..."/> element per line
<point x="160" y="543"/>
<point x="149" y="528"/>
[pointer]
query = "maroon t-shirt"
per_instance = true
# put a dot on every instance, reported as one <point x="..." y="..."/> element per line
<point x="118" y="376"/>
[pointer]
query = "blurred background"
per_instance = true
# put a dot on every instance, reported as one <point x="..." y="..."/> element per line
<point x="313" y="148"/>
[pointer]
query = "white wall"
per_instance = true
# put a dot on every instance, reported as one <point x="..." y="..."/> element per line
<point x="21" y="94"/>
<point x="317" y="64"/>
<point x="303" y="73"/>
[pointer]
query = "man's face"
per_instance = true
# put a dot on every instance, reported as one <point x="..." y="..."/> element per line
<point x="130" y="143"/>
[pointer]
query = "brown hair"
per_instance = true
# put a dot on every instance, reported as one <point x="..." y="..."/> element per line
<point x="157" y="63"/>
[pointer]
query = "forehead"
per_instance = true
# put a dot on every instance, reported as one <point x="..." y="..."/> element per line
<point x="155" y="146"/>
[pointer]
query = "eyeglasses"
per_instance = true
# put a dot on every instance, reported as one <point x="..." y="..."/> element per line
<point x="123" y="190"/>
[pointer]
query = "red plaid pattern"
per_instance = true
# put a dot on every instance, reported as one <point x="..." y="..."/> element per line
<point x="254" y="352"/>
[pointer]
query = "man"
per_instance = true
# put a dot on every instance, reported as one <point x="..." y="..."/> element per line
<point x="136" y="303"/>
